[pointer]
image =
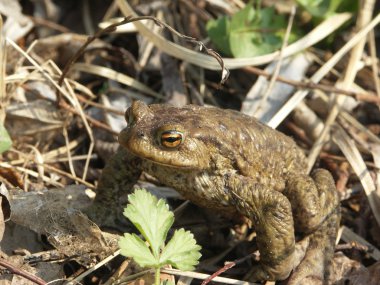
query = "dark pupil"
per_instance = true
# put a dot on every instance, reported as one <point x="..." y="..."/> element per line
<point x="172" y="139"/>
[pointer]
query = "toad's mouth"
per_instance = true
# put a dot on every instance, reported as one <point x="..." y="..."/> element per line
<point x="166" y="162"/>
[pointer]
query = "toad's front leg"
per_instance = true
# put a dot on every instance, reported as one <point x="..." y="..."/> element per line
<point x="118" y="177"/>
<point x="271" y="213"/>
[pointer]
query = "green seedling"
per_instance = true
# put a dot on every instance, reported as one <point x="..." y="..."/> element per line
<point x="153" y="219"/>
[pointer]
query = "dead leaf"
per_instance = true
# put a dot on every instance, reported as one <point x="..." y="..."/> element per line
<point x="12" y="176"/>
<point x="17" y="25"/>
<point x="5" y="205"/>
<point x="351" y="272"/>
<point x="5" y="210"/>
<point x="52" y="213"/>
<point x="2" y="223"/>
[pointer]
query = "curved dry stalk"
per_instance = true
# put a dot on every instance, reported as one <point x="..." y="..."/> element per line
<point x="320" y="32"/>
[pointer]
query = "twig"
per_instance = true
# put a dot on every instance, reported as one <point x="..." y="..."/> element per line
<point x="279" y="61"/>
<point x="31" y="173"/>
<point x="100" y="106"/>
<point x="91" y="120"/>
<point x="49" y="24"/>
<point x="227" y="266"/>
<point x="3" y="58"/>
<point x="76" y="56"/>
<point x="68" y="175"/>
<point x="321" y="72"/>
<point x="202" y="46"/>
<point x="375" y="60"/>
<point x="201" y="13"/>
<point x="349" y="236"/>
<point x="326" y="155"/>
<point x="202" y="60"/>
<point x="146" y="47"/>
<point x="131" y="277"/>
<point x="118" y="273"/>
<point x="68" y="152"/>
<point x="87" y="19"/>
<point x="310" y="85"/>
<point x="197" y="275"/>
<point x="92" y="269"/>
<point x="364" y="19"/>
<point x="352" y="245"/>
<point x="22" y="273"/>
<point x="131" y="19"/>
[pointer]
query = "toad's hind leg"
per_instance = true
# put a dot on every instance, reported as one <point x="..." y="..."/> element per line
<point x="313" y="199"/>
<point x="314" y="267"/>
<point x="272" y="216"/>
<point x="315" y="205"/>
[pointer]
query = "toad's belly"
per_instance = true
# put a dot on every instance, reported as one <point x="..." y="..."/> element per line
<point x="200" y="187"/>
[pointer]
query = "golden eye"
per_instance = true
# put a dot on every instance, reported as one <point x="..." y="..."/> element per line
<point x="171" y="139"/>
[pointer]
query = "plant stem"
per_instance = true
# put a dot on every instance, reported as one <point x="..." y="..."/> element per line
<point x="258" y="5"/>
<point x="157" y="276"/>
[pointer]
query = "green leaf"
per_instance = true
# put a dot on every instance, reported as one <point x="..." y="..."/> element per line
<point x="151" y="217"/>
<point x="5" y="140"/>
<point x="321" y="8"/>
<point x="261" y="37"/>
<point x="249" y="32"/>
<point x="181" y="251"/>
<point x="134" y="247"/>
<point x="218" y="31"/>
<point x="244" y="19"/>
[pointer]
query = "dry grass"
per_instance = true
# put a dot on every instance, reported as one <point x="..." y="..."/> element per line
<point x="61" y="140"/>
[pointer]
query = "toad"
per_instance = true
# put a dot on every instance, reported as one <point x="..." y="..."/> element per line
<point x="232" y="163"/>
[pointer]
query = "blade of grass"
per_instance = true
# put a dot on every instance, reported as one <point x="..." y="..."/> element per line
<point x="300" y="95"/>
<point x="351" y="152"/>
<point x="117" y="76"/>
<point x="364" y="18"/>
<point x="208" y="62"/>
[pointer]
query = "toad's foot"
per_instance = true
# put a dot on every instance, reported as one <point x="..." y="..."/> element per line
<point x="273" y="272"/>
<point x="314" y="268"/>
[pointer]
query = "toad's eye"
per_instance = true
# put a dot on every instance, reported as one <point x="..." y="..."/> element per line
<point x="171" y="139"/>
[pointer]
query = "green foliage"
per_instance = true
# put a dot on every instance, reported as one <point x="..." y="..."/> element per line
<point x="153" y="220"/>
<point x="151" y="217"/>
<point x="5" y="140"/>
<point x="249" y="32"/>
<point x="252" y="32"/>
<point x="133" y="246"/>
<point x="182" y="251"/>
<point x="324" y="8"/>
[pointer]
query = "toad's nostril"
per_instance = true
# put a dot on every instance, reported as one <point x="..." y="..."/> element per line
<point x="140" y="134"/>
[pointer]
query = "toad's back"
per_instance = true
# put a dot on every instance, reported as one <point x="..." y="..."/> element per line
<point x="235" y="141"/>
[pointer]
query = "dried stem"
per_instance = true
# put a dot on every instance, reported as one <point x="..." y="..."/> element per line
<point x="131" y="19"/>
<point x="91" y="120"/>
<point x="276" y="71"/>
<point x="22" y="273"/>
<point x="368" y="96"/>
